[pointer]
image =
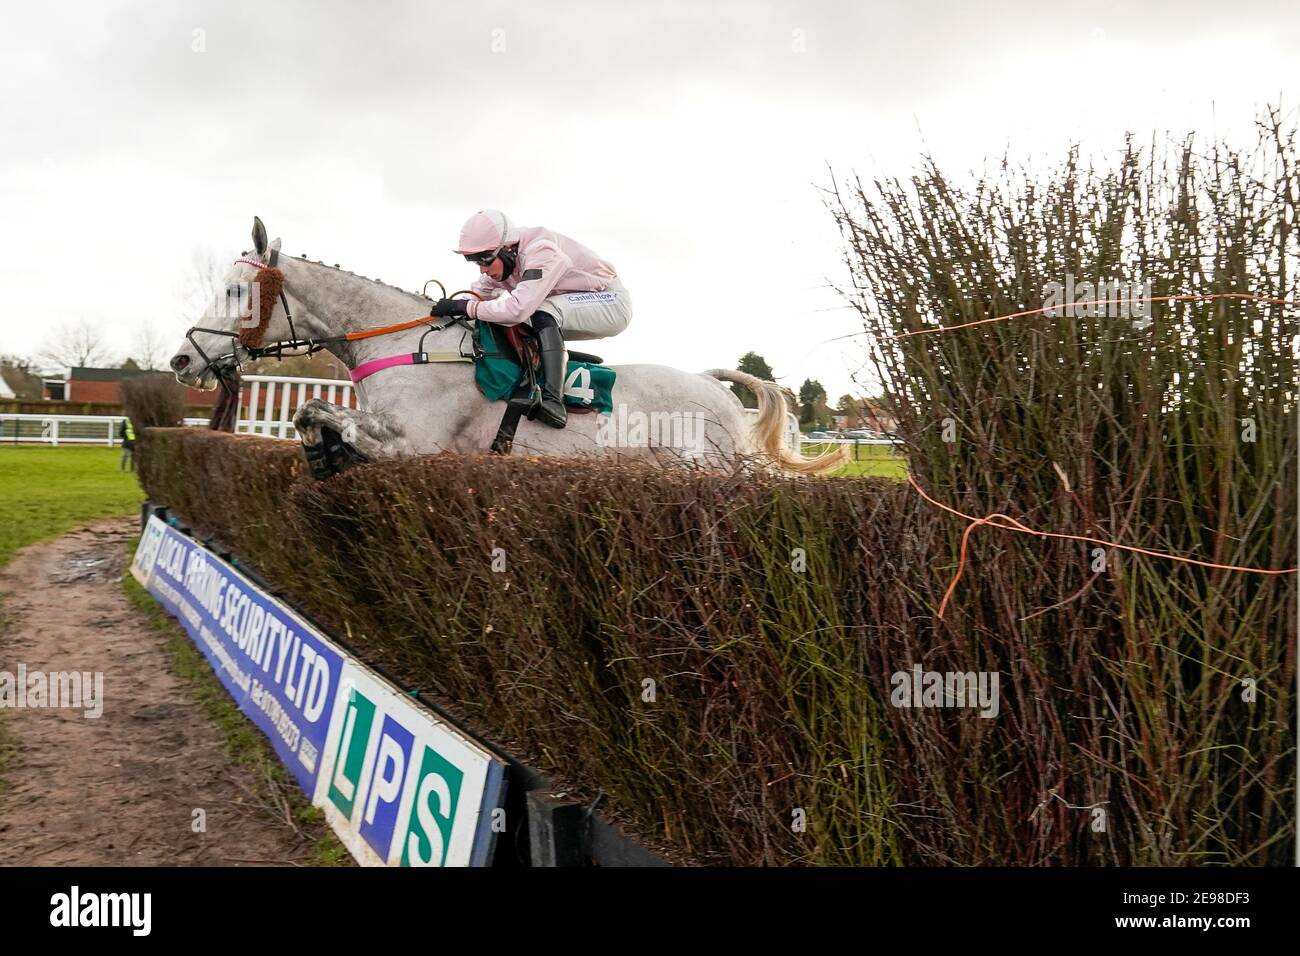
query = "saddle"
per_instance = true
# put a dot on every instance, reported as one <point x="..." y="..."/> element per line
<point x="507" y="365"/>
<point x="521" y="345"/>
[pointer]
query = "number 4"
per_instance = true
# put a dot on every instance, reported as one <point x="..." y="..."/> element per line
<point x="578" y="384"/>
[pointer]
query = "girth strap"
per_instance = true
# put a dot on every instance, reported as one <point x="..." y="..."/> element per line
<point x="366" y="369"/>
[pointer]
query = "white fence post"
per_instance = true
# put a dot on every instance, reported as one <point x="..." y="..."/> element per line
<point x="252" y="407"/>
<point x="284" y="411"/>
<point x="284" y="395"/>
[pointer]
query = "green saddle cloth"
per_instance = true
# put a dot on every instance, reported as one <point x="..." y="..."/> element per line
<point x="498" y="374"/>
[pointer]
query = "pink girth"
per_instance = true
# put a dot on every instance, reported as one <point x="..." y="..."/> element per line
<point x="378" y="365"/>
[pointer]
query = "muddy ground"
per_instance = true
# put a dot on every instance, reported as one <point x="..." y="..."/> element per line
<point x="120" y="789"/>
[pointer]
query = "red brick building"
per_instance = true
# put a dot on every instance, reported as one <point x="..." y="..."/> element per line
<point x="871" y="416"/>
<point x="104" y="385"/>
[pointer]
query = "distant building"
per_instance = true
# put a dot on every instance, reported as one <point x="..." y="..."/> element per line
<point x="104" y="385"/>
<point x="873" y="416"/>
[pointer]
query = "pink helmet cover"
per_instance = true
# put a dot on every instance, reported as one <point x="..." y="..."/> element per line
<point x="486" y="231"/>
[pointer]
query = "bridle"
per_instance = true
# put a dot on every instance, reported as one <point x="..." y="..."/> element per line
<point x="256" y="350"/>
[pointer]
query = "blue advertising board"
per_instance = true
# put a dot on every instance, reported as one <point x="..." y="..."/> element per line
<point x="400" y="785"/>
<point x="283" y="676"/>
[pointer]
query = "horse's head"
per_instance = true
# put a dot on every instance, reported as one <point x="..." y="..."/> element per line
<point x="250" y="311"/>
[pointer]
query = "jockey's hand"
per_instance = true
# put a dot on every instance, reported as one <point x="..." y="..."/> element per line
<point x="450" y="308"/>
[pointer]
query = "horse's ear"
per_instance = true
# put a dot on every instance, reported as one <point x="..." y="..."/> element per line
<point x="259" y="236"/>
<point x="274" y="253"/>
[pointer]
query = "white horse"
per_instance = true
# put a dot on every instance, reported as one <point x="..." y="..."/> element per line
<point x="428" y="408"/>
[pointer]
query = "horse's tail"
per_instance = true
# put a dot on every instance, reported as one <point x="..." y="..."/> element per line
<point x="769" y="427"/>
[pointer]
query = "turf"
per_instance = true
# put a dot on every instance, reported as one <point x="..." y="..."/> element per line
<point x="44" y="491"/>
<point x="877" y="460"/>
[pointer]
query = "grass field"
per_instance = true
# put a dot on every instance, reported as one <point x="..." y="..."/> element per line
<point x="45" y="491"/>
<point x="878" y="460"/>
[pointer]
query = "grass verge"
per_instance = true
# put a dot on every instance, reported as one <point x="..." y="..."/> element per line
<point x="879" y="461"/>
<point x="45" y="491"/>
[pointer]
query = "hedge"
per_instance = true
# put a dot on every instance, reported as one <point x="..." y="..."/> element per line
<point x="716" y="653"/>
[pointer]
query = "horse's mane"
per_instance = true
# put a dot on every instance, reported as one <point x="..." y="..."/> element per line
<point x="337" y="268"/>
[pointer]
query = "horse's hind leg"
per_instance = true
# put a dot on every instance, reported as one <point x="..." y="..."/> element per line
<point x="335" y="439"/>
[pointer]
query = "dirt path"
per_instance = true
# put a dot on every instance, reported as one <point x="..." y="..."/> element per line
<point x="121" y="788"/>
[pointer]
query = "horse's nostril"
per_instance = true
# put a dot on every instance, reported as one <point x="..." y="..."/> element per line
<point x="180" y="363"/>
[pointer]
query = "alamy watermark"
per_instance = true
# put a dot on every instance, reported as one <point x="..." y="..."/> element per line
<point x="77" y="690"/>
<point x="1107" y="297"/>
<point x="631" y="428"/>
<point x="133" y="911"/>
<point x="237" y="302"/>
<point x="922" y="688"/>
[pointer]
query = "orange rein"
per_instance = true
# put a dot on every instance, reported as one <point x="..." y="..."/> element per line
<point x="400" y="326"/>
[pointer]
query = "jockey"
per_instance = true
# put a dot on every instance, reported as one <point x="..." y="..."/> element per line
<point x="559" y="286"/>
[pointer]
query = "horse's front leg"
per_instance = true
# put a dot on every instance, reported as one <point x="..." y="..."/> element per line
<point x="335" y="439"/>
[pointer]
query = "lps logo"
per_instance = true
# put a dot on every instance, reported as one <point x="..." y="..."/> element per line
<point x="378" y="765"/>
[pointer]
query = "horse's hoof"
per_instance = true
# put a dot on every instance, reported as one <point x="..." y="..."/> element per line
<point x="318" y="461"/>
<point x="339" y="454"/>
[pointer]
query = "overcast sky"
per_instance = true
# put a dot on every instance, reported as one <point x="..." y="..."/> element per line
<point x="685" y="142"/>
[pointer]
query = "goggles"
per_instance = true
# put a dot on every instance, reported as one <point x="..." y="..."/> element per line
<point x="481" y="258"/>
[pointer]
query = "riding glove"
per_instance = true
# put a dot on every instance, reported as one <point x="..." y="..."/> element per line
<point x="450" y="308"/>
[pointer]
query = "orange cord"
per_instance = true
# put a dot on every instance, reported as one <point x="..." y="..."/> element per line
<point x="402" y="326"/>
<point x="385" y="329"/>
<point x="1076" y="305"/>
<point x="1013" y="525"/>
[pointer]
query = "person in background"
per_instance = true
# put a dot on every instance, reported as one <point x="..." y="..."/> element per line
<point x="126" y="432"/>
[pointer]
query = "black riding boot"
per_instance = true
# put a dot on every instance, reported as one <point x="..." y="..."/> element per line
<point x="550" y="410"/>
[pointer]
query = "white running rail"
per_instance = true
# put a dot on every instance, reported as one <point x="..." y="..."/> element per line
<point x="267" y="404"/>
<point x="271" y="401"/>
<point x="59" y="429"/>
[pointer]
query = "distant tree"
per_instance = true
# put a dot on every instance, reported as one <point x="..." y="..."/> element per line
<point x="852" y="408"/>
<point x="18" y="362"/>
<point x="198" y="286"/>
<point x="812" y="402"/>
<point x="755" y="365"/>
<point x="79" y="344"/>
<point x="876" y="414"/>
<point x="151" y="350"/>
<point x="129" y="363"/>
